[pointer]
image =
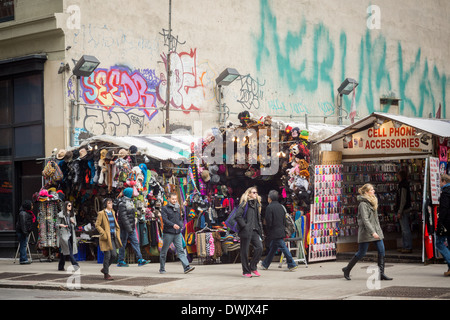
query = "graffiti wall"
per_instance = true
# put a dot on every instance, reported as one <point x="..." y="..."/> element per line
<point x="292" y="57"/>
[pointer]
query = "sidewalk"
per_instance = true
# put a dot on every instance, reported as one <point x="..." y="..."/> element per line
<point x="319" y="281"/>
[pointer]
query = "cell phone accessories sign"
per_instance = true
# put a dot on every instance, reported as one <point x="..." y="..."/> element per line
<point x="385" y="139"/>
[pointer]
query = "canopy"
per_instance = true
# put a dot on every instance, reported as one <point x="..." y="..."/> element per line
<point x="437" y="127"/>
<point x="159" y="147"/>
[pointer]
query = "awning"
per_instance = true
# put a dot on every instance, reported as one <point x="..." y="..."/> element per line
<point x="436" y="127"/>
<point x="159" y="147"/>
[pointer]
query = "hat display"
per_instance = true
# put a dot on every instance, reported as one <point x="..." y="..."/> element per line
<point x="103" y="153"/>
<point x="61" y="154"/>
<point x="83" y="153"/>
<point x="68" y="157"/>
<point x="205" y="176"/>
<point x="122" y="153"/>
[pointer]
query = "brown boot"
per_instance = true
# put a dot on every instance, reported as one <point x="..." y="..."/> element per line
<point x="108" y="277"/>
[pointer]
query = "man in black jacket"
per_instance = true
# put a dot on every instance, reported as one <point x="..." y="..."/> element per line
<point x="126" y="219"/>
<point x="443" y="226"/>
<point x="23" y="228"/>
<point x="275" y="224"/>
<point x="171" y="215"/>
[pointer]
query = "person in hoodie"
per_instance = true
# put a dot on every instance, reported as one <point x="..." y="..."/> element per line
<point x="403" y="210"/>
<point x="248" y="217"/>
<point x="443" y="225"/>
<point x="23" y="229"/>
<point x="369" y="230"/>
<point x="173" y="223"/>
<point x="126" y="218"/>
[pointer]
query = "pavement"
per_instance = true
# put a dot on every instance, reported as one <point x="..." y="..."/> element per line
<point x="317" y="281"/>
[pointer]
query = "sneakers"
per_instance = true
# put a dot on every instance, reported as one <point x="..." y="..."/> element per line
<point x="143" y="262"/>
<point x="256" y="273"/>
<point x="189" y="269"/>
<point x="247" y="275"/>
<point x="122" y="263"/>
<point x="293" y="268"/>
<point x="261" y="266"/>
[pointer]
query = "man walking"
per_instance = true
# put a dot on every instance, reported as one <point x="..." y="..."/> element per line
<point x="275" y="222"/>
<point x="171" y="215"/>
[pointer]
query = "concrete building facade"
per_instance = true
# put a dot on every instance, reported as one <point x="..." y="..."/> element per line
<point x="291" y="55"/>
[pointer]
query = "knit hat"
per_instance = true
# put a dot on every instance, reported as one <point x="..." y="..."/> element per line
<point x="128" y="192"/>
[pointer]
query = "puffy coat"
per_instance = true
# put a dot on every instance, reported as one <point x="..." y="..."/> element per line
<point x="127" y="214"/>
<point x="25" y="222"/>
<point x="368" y="222"/>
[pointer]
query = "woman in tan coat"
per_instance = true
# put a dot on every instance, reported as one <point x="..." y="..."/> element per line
<point x="109" y="230"/>
<point x="369" y="230"/>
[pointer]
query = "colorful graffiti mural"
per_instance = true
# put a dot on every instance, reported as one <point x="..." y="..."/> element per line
<point x="120" y="86"/>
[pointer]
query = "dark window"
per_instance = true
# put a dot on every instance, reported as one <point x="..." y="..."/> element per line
<point x="5" y="102"/>
<point x="6" y="10"/>
<point x="28" y="141"/>
<point x="28" y="99"/>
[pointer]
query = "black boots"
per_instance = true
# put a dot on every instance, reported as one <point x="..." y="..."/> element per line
<point x="381" y="267"/>
<point x="349" y="267"/>
<point x="354" y="260"/>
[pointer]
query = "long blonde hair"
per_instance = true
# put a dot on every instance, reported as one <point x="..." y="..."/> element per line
<point x="245" y="197"/>
<point x="363" y="191"/>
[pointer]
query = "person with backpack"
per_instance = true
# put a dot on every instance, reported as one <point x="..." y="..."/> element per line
<point x="248" y="217"/>
<point x="443" y="225"/>
<point x="276" y="229"/>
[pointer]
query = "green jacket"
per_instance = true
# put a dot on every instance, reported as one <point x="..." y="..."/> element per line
<point x="368" y="222"/>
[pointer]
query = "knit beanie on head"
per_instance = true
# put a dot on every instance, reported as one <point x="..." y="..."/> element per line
<point x="128" y="192"/>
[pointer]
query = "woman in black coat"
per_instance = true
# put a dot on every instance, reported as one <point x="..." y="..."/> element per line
<point x="248" y="217"/>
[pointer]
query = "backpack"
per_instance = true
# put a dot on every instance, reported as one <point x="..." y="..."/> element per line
<point x="231" y="222"/>
<point x="289" y="226"/>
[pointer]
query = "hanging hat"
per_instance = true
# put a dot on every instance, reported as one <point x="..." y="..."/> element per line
<point x="133" y="150"/>
<point x="123" y="153"/>
<point x="109" y="155"/>
<point x="83" y="153"/>
<point x="61" y="154"/>
<point x="68" y="157"/>
<point x="128" y="192"/>
<point x="103" y="153"/>
<point x="205" y="176"/>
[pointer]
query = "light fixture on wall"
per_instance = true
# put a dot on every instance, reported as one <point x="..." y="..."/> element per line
<point x="85" y="66"/>
<point x="224" y="79"/>
<point x="227" y="77"/>
<point x="346" y="88"/>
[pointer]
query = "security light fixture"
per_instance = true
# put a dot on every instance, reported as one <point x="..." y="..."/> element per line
<point x="85" y="66"/>
<point x="347" y="86"/>
<point x="227" y="76"/>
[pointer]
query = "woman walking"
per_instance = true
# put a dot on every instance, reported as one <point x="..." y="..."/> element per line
<point x="109" y="241"/>
<point x="248" y="217"/>
<point x="67" y="240"/>
<point x="369" y="230"/>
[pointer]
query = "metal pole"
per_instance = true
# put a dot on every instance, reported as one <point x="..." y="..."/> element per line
<point x="168" y="69"/>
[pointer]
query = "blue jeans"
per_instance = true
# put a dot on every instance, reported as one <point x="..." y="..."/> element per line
<point x="440" y="240"/>
<point x="124" y="236"/>
<point x="23" y="241"/>
<point x="406" y="231"/>
<point x="176" y="239"/>
<point x="363" y="246"/>
<point x="276" y="244"/>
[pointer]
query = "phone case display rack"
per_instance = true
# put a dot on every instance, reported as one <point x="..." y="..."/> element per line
<point x="326" y="212"/>
<point x="382" y="175"/>
<point x="48" y="211"/>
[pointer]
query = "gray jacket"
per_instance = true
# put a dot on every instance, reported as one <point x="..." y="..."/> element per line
<point x="368" y="222"/>
<point x="65" y="233"/>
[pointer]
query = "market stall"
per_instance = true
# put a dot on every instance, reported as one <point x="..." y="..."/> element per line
<point x="373" y="150"/>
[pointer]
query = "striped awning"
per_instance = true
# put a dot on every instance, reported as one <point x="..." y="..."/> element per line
<point x="159" y="147"/>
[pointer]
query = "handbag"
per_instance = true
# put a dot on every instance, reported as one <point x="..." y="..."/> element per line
<point x="441" y="230"/>
<point x="231" y="222"/>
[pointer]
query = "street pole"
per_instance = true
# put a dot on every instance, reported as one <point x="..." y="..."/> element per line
<point x="168" y="70"/>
